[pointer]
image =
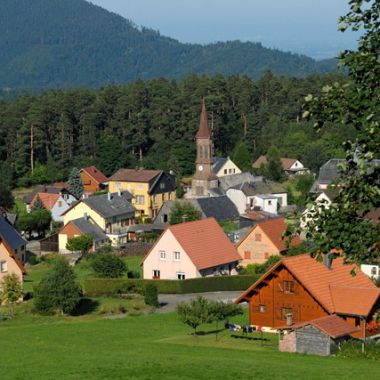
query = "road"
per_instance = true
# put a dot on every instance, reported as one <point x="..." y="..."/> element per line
<point x="169" y="302"/>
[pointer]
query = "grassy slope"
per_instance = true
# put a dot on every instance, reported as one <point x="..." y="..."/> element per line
<point x="152" y="347"/>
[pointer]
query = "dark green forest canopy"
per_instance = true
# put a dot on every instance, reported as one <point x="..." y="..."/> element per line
<point x="56" y="44"/>
<point x="153" y="123"/>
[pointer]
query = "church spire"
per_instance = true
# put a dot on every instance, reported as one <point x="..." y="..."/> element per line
<point x="203" y="131"/>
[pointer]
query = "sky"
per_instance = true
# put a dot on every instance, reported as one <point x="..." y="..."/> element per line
<point x="301" y="26"/>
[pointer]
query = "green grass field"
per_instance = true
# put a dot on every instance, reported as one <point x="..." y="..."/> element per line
<point x="154" y="346"/>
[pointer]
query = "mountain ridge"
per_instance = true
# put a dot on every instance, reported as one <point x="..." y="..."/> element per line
<point x="50" y="44"/>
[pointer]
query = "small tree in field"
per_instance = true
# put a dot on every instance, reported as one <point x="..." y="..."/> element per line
<point x="10" y="290"/>
<point x="184" y="212"/>
<point x="108" y="265"/>
<point x="58" y="290"/>
<point x="38" y="205"/>
<point x="151" y="295"/>
<point x="195" y="313"/>
<point x="75" y="183"/>
<point x="222" y="312"/>
<point x="81" y="243"/>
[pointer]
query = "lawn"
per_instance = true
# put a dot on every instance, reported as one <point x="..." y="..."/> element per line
<point x="153" y="346"/>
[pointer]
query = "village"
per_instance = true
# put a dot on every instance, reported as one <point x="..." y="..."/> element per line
<point x="224" y="224"/>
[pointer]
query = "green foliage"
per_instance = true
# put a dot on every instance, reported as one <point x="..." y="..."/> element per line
<point x="184" y="212"/>
<point x="259" y="269"/>
<point x="242" y="157"/>
<point x="75" y="183"/>
<point x="101" y="287"/>
<point x="352" y="104"/>
<point x="38" y="220"/>
<point x="10" y="289"/>
<point x="354" y="349"/>
<point x="223" y="311"/>
<point x="38" y="205"/>
<point x="81" y="243"/>
<point x="58" y="290"/>
<point x="6" y="198"/>
<point x="151" y="295"/>
<point x="108" y="265"/>
<point x="273" y="169"/>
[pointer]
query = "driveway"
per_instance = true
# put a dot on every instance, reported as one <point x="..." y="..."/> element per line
<point x="169" y="302"/>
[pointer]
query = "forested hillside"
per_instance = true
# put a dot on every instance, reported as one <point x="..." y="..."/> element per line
<point x="153" y="124"/>
<point x="55" y="43"/>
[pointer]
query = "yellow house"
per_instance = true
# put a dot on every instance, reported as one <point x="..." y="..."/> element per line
<point x="112" y="213"/>
<point x="150" y="188"/>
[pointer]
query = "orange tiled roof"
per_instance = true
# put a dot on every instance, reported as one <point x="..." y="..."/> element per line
<point x="332" y="325"/>
<point x="96" y="174"/>
<point x="47" y="199"/>
<point x="273" y="229"/>
<point x="134" y="175"/>
<point x="286" y="163"/>
<point x="205" y="243"/>
<point x="336" y="289"/>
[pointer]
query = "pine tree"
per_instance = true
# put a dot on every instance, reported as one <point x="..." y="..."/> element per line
<point x="75" y="183"/>
<point x="242" y="158"/>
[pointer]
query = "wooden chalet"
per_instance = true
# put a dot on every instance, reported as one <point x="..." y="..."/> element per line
<point x="302" y="289"/>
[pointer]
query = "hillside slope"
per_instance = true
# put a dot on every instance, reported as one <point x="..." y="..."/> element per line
<point x="55" y="43"/>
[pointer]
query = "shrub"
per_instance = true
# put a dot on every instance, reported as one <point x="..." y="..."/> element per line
<point x="58" y="290"/>
<point x="108" y="265"/>
<point x="10" y="290"/>
<point x="151" y="295"/>
<point x="353" y="349"/>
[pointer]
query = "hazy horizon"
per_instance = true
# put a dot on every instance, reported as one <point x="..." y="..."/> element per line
<point x="300" y="26"/>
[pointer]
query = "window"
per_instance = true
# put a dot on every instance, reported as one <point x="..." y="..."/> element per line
<point x="270" y="203"/>
<point x="156" y="274"/>
<point x="286" y="312"/>
<point x="3" y="266"/>
<point x="140" y="199"/>
<point x="225" y="171"/>
<point x="162" y="186"/>
<point x="262" y="308"/>
<point x="117" y="185"/>
<point x="247" y="255"/>
<point x="154" y="199"/>
<point x="258" y="237"/>
<point x="59" y="203"/>
<point x="162" y="255"/>
<point x="177" y="256"/>
<point x="288" y="286"/>
<point x="234" y="171"/>
<point x="169" y="196"/>
<point x="373" y="271"/>
<point x="266" y="255"/>
<point x="230" y="171"/>
<point x="180" y="276"/>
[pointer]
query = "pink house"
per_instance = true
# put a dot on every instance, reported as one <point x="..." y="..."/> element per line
<point x="190" y="250"/>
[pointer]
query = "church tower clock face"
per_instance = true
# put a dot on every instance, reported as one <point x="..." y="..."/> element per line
<point x="200" y="167"/>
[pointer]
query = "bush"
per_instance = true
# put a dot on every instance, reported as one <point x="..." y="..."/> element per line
<point x="108" y="265"/>
<point x="101" y="287"/>
<point x="151" y="295"/>
<point x="353" y="349"/>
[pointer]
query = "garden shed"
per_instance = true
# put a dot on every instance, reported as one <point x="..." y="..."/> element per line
<point x="319" y="337"/>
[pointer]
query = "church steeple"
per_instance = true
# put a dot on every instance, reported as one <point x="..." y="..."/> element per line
<point x="203" y="130"/>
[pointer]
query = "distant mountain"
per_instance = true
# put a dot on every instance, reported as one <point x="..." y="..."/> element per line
<point x="56" y="43"/>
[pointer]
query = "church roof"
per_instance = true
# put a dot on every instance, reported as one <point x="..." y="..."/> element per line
<point x="203" y="131"/>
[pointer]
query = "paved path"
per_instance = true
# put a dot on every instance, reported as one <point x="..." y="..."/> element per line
<point x="170" y="301"/>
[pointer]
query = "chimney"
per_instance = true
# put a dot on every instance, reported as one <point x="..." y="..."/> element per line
<point x="327" y="260"/>
<point x="85" y="216"/>
<point x="109" y="196"/>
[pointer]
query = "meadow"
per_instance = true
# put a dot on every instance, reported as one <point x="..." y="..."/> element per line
<point x="153" y="346"/>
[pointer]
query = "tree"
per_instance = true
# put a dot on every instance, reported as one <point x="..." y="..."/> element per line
<point x="108" y="265"/>
<point x="184" y="212"/>
<point x="223" y="311"/>
<point x="38" y="205"/>
<point x="242" y="157"/>
<point x="151" y="295"/>
<point x="58" y="290"/>
<point x="81" y="243"/>
<point x="75" y="183"/>
<point x="344" y="226"/>
<point x="6" y="198"/>
<point x="273" y="169"/>
<point x="195" y="313"/>
<point x="303" y="185"/>
<point x="10" y="290"/>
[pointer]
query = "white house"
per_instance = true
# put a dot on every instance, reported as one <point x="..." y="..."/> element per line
<point x="223" y="166"/>
<point x="372" y="271"/>
<point x="291" y="166"/>
<point x="191" y="250"/>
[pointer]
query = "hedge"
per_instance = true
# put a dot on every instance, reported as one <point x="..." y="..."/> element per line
<point x="95" y="287"/>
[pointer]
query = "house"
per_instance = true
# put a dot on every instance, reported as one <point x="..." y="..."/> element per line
<point x="328" y="174"/>
<point x="260" y="194"/>
<point x="291" y="166"/>
<point x="263" y="240"/>
<point x="12" y="250"/>
<point x="221" y="208"/>
<point x="113" y="213"/>
<point x="320" y="336"/>
<point x="150" y="188"/>
<point x="55" y="203"/>
<point x="253" y="217"/>
<point x="371" y="270"/>
<point x="190" y="250"/>
<point x="93" y="179"/>
<point x="223" y="166"/>
<point x="78" y="227"/>
<point x="304" y="289"/>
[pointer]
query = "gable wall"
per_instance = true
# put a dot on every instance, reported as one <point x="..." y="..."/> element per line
<point x="79" y="210"/>
<point x="230" y="167"/>
<point x="11" y="263"/>
<point x="89" y="184"/>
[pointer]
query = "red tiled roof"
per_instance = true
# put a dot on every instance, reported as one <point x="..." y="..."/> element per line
<point x="286" y="163"/>
<point x="273" y="229"/>
<point x="47" y="199"/>
<point x="95" y="173"/>
<point x="205" y="242"/>
<point x="204" y="130"/>
<point x="332" y="325"/>
<point x="134" y="175"/>
<point x="331" y="287"/>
